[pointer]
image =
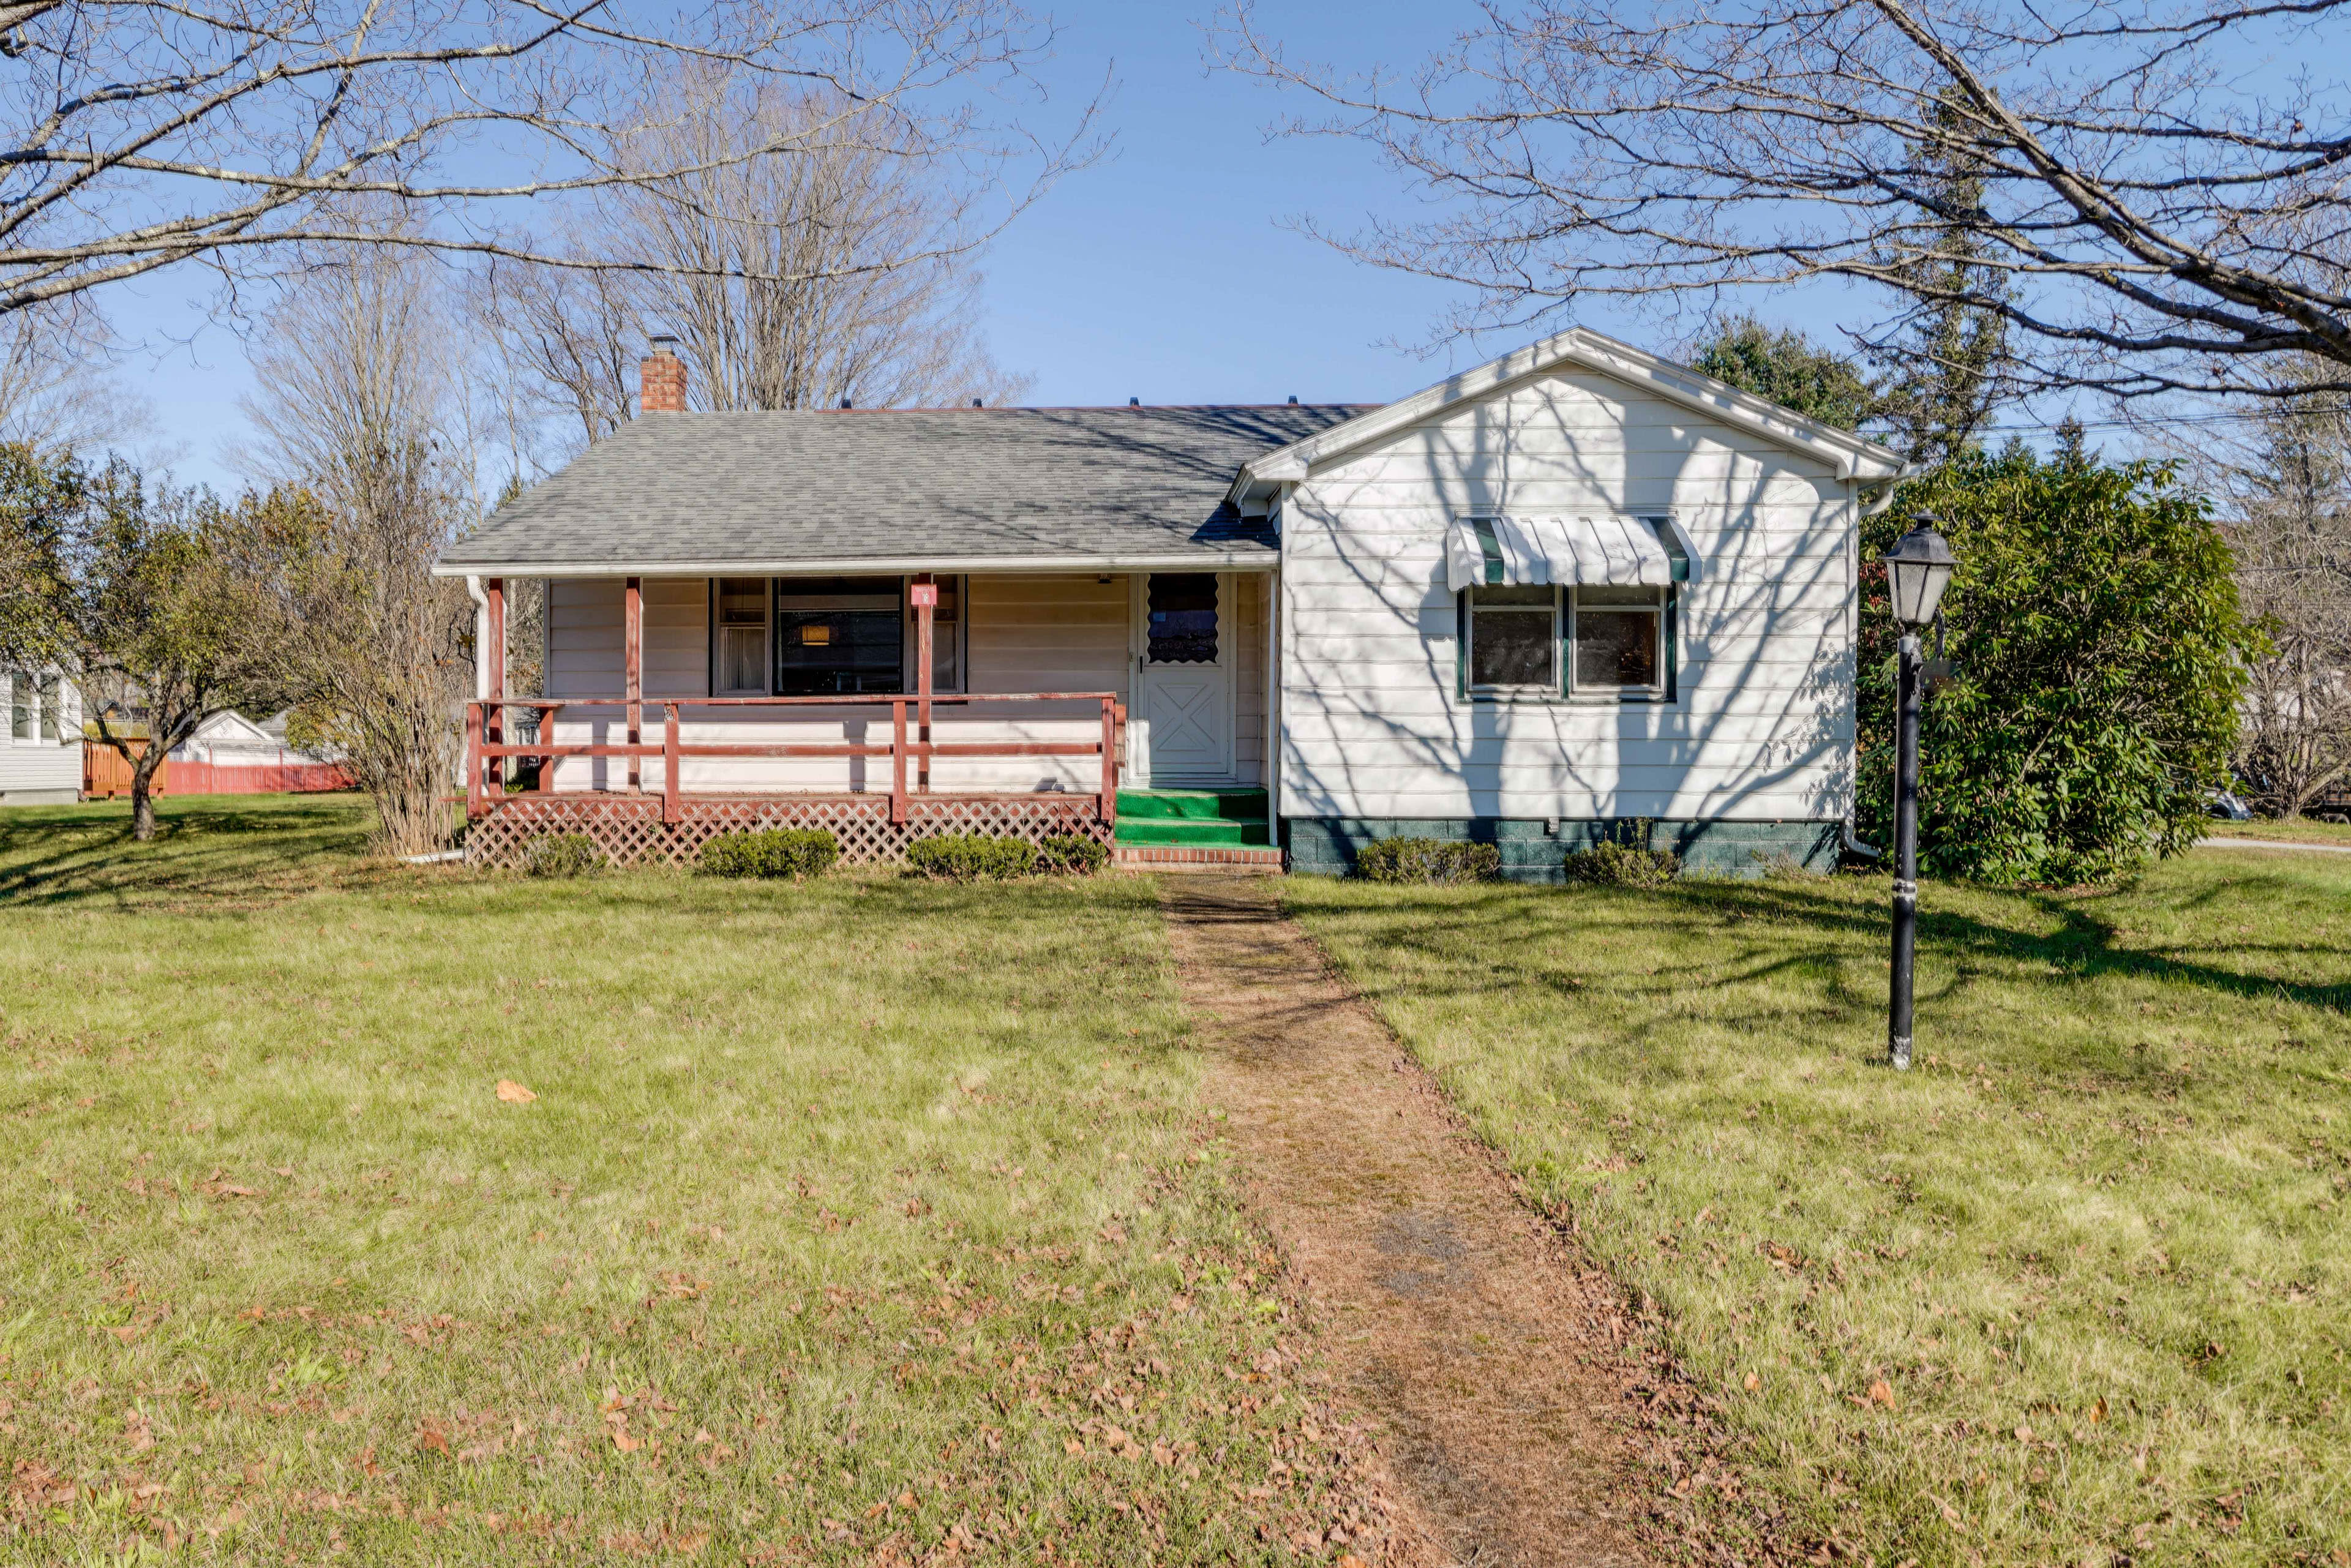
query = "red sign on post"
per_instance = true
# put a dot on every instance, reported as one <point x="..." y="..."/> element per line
<point x="926" y="595"/>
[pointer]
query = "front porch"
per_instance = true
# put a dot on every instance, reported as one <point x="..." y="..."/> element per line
<point x="924" y="736"/>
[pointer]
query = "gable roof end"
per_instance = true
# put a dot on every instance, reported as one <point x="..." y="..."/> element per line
<point x="1850" y="455"/>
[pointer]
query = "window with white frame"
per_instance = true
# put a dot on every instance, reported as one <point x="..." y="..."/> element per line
<point x="1597" y="642"/>
<point x="739" y="652"/>
<point x="1620" y="641"/>
<point x="36" y="708"/>
<point x="822" y="637"/>
<point x="1513" y="640"/>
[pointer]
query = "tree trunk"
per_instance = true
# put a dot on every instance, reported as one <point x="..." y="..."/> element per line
<point x="143" y="796"/>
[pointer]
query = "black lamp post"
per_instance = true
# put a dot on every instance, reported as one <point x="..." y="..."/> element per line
<point x="1918" y="569"/>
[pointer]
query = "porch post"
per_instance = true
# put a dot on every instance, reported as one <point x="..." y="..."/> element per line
<point x="494" y="632"/>
<point x="634" y="653"/>
<point x="926" y="603"/>
<point x="1271" y="758"/>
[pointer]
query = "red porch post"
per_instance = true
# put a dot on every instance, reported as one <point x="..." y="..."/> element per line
<point x="898" y="761"/>
<point x="671" y="788"/>
<point x="494" y="631"/>
<point x="473" y="806"/>
<point x="1108" y="805"/>
<point x="926" y="603"/>
<point x="547" y="737"/>
<point x="632" y="642"/>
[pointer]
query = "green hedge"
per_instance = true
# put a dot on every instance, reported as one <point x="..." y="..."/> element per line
<point x="1623" y="865"/>
<point x="562" y="854"/>
<point x="971" y="857"/>
<point x="1072" y="852"/>
<point x="1427" y="860"/>
<point x="795" y="852"/>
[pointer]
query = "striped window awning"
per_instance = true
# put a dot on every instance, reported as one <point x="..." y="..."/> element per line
<point x="1621" y="551"/>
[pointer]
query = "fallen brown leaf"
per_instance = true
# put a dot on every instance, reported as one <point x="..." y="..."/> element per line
<point x="1882" y="1393"/>
<point x="514" y="1094"/>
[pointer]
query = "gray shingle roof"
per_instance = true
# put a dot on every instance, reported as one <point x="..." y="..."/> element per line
<point x="687" y="491"/>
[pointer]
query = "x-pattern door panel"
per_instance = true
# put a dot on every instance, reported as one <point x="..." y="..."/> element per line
<point x="1186" y="633"/>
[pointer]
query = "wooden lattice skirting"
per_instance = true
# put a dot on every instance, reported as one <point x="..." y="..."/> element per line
<point x="630" y="831"/>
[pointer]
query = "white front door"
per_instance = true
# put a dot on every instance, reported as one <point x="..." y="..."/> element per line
<point x="1184" y="655"/>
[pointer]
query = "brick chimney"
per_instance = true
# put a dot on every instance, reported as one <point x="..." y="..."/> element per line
<point x="661" y="380"/>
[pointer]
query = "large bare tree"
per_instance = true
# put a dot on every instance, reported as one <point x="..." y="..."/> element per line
<point x="2281" y="478"/>
<point x="365" y="426"/>
<point x="2149" y="192"/>
<point x="840" y="268"/>
<point x="135" y="134"/>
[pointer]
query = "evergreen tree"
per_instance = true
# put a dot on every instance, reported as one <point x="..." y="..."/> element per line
<point x="1943" y="362"/>
<point x="1789" y="369"/>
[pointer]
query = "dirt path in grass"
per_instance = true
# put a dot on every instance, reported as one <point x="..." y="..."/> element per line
<point x="1461" y="1321"/>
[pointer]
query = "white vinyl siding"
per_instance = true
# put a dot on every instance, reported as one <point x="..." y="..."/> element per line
<point x="1376" y="726"/>
<point x="41" y="761"/>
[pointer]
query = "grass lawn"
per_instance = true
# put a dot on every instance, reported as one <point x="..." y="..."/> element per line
<point x="2302" y="830"/>
<point x="868" y="1220"/>
<point x="2076" y="1291"/>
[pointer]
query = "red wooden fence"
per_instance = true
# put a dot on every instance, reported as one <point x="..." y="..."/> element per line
<point x="106" y="773"/>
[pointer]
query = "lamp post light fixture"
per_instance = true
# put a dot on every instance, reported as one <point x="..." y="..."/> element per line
<point x="1918" y="569"/>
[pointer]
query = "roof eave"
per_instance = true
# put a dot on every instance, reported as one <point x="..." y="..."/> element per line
<point x="1239" y="558"/>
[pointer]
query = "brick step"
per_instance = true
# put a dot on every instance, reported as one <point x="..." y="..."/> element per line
<point x="1197" y="857"/>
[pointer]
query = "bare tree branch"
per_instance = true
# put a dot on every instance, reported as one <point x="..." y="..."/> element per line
<point x="840" y="270"/>
<point x="137" y="134"/>
<point x="2147" y="196"/>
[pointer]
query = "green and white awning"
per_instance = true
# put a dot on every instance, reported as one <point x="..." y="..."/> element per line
<point x="1609" y="548"/>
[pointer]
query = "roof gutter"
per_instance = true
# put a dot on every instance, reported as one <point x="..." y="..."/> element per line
<point x="1255" y="559"/>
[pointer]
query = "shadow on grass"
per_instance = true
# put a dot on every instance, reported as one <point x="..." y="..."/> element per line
<point x="1820" y="927"/>
<point x="220" y="850"/>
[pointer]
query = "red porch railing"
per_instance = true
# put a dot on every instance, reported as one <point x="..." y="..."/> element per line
<point x="911" y="752"/>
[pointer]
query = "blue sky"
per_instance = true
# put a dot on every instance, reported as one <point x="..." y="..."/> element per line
<point x="1163" y="271"/>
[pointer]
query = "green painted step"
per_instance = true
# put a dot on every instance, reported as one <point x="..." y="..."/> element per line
<point x="1193" y="834"/>
<point x="1232" y="805"/>
<point x="1197" y="819"/>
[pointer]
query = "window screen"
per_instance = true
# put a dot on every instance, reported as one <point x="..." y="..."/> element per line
<point x="1183" y="625"/>
<point x="1619" y="638"/>
<point x="1514" y="637"/>
<point x="20" y="707"/>
<point x="837" y="634"/>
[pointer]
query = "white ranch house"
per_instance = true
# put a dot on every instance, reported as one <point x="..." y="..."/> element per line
<point x="1576" y="586"/>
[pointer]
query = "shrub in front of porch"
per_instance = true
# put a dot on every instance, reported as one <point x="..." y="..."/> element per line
<point x="562" y="854"/>
<point x="1074" y="853"/>
<point x="971" y="857"/>
<point x="794" y="853"/>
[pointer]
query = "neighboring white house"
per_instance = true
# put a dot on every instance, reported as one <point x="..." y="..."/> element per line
<point x="1571" y="590"/>
<point x="231" y="740"/>
<point x="40" y="754"/>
